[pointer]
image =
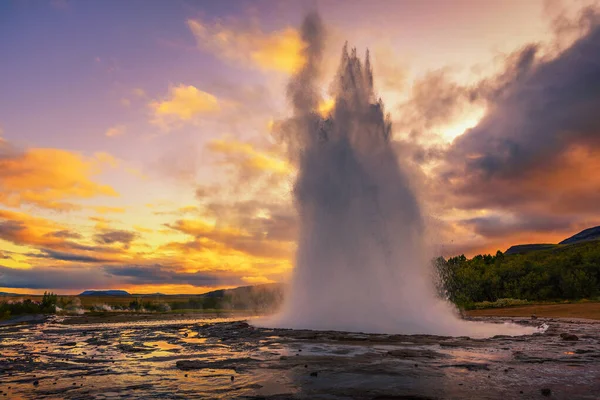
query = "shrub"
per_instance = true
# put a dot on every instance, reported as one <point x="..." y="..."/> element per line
<point x="28" y="306"/>
<point x="500" y="303"/>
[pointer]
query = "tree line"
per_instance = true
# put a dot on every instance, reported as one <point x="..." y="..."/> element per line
<point x="46" y="306"/>
<point x="567" y="272"/>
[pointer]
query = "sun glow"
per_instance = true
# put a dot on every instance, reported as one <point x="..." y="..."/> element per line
<point x="459" y="127"/>
<point x="326" y="106"/>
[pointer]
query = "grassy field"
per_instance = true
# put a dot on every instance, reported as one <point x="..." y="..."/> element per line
<point x="589" y="310"/>
<point x="89" y="301"/>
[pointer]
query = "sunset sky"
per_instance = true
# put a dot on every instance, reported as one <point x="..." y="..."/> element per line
<point x="136" y="149"/>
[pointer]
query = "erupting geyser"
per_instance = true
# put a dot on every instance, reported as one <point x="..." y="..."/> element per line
<point x="361" y="262"/>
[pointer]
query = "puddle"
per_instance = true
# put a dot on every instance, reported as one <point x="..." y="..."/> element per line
<point x="194" y="340"/>
<point x="164" y="346"/>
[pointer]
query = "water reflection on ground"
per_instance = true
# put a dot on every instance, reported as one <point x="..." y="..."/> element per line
<point x="220" y="358"/>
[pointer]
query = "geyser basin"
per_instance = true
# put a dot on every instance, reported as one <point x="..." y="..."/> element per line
<point x="82" y="359"/>
<point x="361" y="262"/>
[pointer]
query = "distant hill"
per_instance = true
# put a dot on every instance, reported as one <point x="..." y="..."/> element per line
<point x="104" y="293"/>
<point x="9" y="294"/>
<point x="236" y="293"/>
<point x="265" y="297"/>
<point x="215" y="293"/>
<point x="239" y="292"/>
<point x="585" y="235"/>
<point x="148" y="294"/>
<point x="526" y="248"/>
<point x="243" y="291"/>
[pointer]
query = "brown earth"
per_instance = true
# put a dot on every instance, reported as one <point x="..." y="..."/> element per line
<point x="577" y="310"/>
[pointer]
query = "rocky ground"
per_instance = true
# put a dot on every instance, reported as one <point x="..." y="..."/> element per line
<point x="221" y="358"/>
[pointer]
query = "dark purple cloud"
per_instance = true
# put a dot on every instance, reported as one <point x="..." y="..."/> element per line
<point x="109" y="277"/>
<point x="65" y="234"/>
<point x="116" y="236"/>
<point x="546" y="108"/>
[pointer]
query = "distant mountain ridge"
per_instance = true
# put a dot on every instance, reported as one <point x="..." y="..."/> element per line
<point x="219" y="293"/>
<point x="526" y="248"/>
<point x="583" y="236"/>
<point x="587" y="234"/>
<point x="104" y="293"/>
<point x="243" y="290"/>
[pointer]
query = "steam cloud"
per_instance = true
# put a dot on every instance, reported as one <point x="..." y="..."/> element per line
<point x="361" y="259"/>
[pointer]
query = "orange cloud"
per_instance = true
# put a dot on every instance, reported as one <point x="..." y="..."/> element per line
<point x="168" y="288"/>
<point x="487" y="246"/>
<point x="257" y="280"/>
<point x="205" y="229"/>
<point x="51" y="178"/>
<point x="249" y="157"/>
<point x="230" y="240"/>
<point x="109" y="210"/>
<point x="143" y="229"/>
<point x="183" y="104"/>
<point x="275" y="51"/>
<point x="23" y="229"/>
<point x="51" y="243"/>
<point x="100" y="222"/>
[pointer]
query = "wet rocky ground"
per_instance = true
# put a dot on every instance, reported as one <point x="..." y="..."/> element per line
<point x="219" y="358"/>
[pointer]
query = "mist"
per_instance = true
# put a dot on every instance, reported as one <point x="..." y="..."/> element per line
<point x="362" y="262"/>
